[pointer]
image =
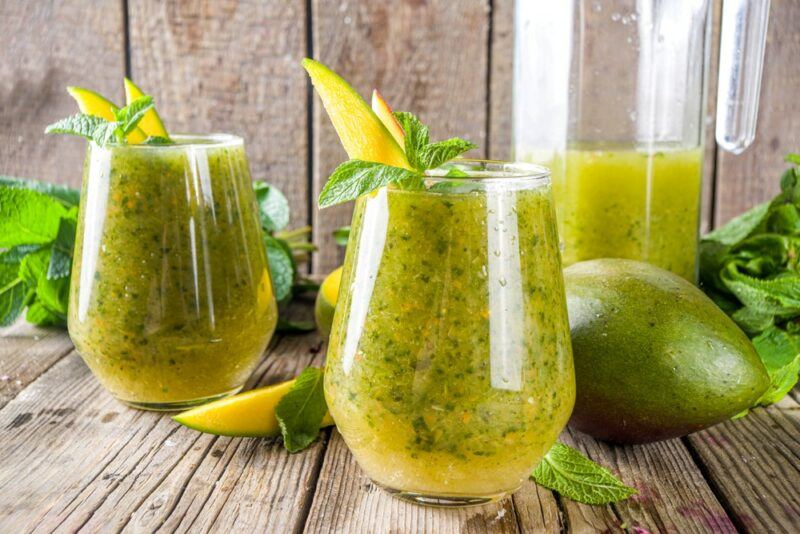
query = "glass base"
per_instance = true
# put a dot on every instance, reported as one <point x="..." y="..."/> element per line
<point x="444" y="501"/>
<point x="178" y="405"/>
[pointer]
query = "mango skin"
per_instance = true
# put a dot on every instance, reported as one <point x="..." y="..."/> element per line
<point x="655" y="358"/>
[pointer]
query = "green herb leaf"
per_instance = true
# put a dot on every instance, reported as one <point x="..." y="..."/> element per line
<point x="281" y="267"/>
<point x="437" y="154"/>
<point x="53" y="294"/>
<point x="61" y="257"/>
<point x="301" y="410"/>
<point x="41" y="315"/>
<point x="66" y="195"/>
<point x="287" y="326"/>
<point x="356" y="177"/>
<point x="130" y="116"/>
<point x="28" y="217"/>
<point x="571" y="474"/>
<point x="341" y="236"/>
<point x="273" y="207"/>
<point x="12" y="293"/>
<point x="158" y="141"/>
<point x="93" y="128"/>
<point x="416" y="138"/>
<point x="780" y="352"/>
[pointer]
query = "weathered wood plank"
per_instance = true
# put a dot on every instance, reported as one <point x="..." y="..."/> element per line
<point x="754" y="176"/>
<point x="347" y="501"/>
<point x="402" y="48"/>
<point x="74" y="457"/>
<point x="673" y="494"/>
<point x="231" y="66"/>
<point x="25" y="353"/>
<point x="754" y="465"/>
<point x="45" y="47"/>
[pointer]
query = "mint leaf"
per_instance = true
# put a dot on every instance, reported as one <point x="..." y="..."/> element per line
<point x="356" y="177"/>
<point x="158" y="141"/>
<point x="281" y="266"/>
<point x="61" y="257"/>
<point x="273" y="208"/>
<point x="40" y="315"/>
<point x="53" y="294"/>
<point x="780" y="352"/>
<point x="341" y="236"/>
<point x="28" y="217"/>
<point x="416" y="138"/>
<point x="66" y="195"/>
<point x="93" y="128"/>
<point x="567" y="471"/>
<point x="130" y="116"/>
<point x="12" y="293"/>
<point x="437" y="154"/>
<point x="15" y="254"/>
<point x="301" y="410"/>
<point x="287" y="326"/>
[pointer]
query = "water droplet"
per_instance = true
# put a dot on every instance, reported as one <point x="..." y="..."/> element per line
<point x="597" y="7"/>
<point x="616" y="17"/>
<point x="497" y="253"/>
<point x="502" y="282"/>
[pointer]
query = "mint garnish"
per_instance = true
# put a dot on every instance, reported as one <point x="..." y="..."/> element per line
<point x="102" y="131"/>
<point x="357" y="177"/>
<point x="567" y="471"/>
<point x="301" y="410"/>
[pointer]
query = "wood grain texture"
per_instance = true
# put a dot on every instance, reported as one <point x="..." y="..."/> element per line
<point x="406" y="49"/>
<point x="501" y="78"/>
<point x="347" y="501"/>
<point x="754" y="176"/>
<point x="753" y="464"/>
<point x="45" y="46"/>
<point x="25" y="353"/>
<point x="231" y="66"/>
<point x="76" y="458"/>
<point x="673" y="495"/>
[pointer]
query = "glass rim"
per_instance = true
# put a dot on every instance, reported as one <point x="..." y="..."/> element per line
<point x="213" y="140"/>
<point x="489" y="170"/>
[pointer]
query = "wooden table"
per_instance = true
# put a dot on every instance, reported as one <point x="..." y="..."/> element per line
<point x="72" y="458"/>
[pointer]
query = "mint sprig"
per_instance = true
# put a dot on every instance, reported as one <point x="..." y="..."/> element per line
<point x="301" y="410"/>
<point x="102" y="131"/>
<point x="357" y="177"/>
<point x="567" y="471"/>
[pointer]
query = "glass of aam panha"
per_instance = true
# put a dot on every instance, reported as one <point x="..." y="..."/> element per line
<point x="171" y="302"/>
<point x="449" y="371"/>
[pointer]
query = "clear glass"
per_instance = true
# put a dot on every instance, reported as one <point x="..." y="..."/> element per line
<point x="449" y="369"/>
<point x="611" y="96"/>
<point x="171" y="302"/>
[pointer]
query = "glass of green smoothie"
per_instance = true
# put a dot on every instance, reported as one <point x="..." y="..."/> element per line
<point x="171" y="302"/>
<point x="449" y="370"/>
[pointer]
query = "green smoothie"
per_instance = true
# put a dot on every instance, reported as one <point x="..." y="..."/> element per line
<point x="171" y="301"/>
<point x="449" y="370"/>
<point x="617" y="202"/>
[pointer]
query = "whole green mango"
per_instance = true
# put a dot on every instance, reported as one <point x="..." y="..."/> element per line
<point x="655" y="358"/>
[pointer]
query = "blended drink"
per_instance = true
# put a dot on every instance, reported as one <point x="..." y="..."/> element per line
<point x="449" y="372"/>
<point x="628" y="203"/>
<point x="171" y="301"/>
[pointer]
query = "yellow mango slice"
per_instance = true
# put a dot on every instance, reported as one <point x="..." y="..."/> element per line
<point x="151" y="123"/>
<point x="248" y="414"/>
<point x="326" y="301"/>
<point x="360" y="130"/>
<point x="96" y="105"/>
<point x="385" y="114"/>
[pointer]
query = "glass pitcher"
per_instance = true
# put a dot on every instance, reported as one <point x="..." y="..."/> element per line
<point x="610" y="94"/>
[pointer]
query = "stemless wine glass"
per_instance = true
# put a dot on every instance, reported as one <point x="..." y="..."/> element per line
<point x="171" y="302"/>
<point x="449" y="371"/>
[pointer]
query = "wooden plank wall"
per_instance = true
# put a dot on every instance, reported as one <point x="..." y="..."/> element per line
<point x="233" y="65"/>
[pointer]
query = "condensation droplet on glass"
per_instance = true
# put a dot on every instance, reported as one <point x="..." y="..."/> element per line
<point x="497" y="253"/>
<point x="348" y="20"/>
<point x="502" y="282"/>
<point x="625" y="20"/>
<point x="616" y="17"/>
<point x="484" y="272"/>
<point x="629" y="40"/>
<point x="597" y="7"/>
<point x="632" y="115"/>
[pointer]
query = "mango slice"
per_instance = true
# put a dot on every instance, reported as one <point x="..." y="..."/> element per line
<point x="385" y="114"/>
<point x="151" y="123"/>
<point x="95" y="104"/>
<point x="326" y="301"/>
<point x="360" y="130"/>
<point x="248" y="414"/>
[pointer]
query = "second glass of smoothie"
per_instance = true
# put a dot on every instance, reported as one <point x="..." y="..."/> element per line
<point x="449" y="371"/>
<point x="171" y="302"/>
